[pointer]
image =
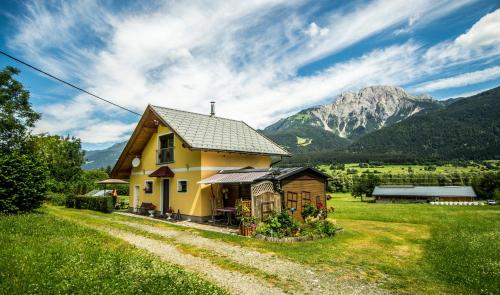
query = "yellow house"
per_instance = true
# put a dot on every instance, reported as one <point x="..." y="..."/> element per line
<point x="171" y="151"/>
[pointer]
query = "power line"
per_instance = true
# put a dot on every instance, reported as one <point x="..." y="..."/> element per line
<point x="68" y="83"/>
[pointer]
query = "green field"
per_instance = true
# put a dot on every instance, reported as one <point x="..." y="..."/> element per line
<point x="401" y="169"/>
<point x="43" y="254"/>
<point x="402" y="248"/>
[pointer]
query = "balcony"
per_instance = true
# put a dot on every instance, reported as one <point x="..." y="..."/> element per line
<point x="165" y="155"/>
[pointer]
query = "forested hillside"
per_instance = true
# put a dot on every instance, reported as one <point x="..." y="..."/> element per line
<point x="466" y="129"/>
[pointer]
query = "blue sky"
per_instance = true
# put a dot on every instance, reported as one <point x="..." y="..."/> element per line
<point x="259" y="60"/>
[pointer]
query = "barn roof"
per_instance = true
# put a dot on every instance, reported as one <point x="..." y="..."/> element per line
<point x="424" y="191"/>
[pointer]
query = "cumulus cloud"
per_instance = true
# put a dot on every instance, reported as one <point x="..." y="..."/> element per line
<point x="245" y="55"/>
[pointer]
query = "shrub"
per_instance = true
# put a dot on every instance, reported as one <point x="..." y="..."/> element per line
<point x="102" y="204"/>
<point x="23" y="182"/>
<point x="318" y="226"/>
<point x="58" y="199"/>
<point x="280" y="224"/>
<point x="309" y="210"/>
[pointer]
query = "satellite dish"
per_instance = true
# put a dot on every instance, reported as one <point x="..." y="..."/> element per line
<point x="136" y="162"/>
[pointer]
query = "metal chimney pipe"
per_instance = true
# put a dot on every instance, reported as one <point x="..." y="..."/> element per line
<point x="212" y="108"/>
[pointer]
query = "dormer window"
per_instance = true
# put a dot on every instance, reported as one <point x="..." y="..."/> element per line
<point x="166" y="149"/>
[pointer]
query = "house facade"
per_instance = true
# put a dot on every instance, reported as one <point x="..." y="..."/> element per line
<point x="171" y="151"/>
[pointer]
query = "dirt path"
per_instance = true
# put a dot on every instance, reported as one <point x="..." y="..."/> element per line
<point x="308" y="280"/>
<point x="303" y="279"/>
<point x="233" y="281"/>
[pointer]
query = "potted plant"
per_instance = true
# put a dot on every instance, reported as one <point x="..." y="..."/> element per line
<point x="169" y="213"/>
<point x="151" y="210"/>
<point x="248" y="223"/>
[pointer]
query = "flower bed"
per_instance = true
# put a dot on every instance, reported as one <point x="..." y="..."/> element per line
<point x="282" y="228"/>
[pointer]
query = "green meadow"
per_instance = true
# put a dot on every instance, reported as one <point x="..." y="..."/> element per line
<point x="402" y="169"/>
<point x="44" y="254"/>
<point x="401" y="248"/>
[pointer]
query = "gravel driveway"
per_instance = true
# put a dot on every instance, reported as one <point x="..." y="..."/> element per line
<point x="303" y="279"/>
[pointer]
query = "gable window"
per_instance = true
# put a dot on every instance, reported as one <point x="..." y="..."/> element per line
<point x="182" y="186"/>
<point x="148" y="187"/>
<point x="166" y="148"/>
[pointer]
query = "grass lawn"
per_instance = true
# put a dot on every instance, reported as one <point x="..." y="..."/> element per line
<point x="454" y="246"/>
<point x="40" y="253"/>
<point x="404" y="248"/>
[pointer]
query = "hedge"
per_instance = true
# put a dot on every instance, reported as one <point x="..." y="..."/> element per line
<point x="102" y="204"/>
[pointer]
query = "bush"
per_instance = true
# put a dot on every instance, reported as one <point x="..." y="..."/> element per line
<point x="23" y="182"/>
<point x="102" y="204"/>
<point x="309" y="210"/>
<point x="319" y="227"/>
<point x="58" y="199"/>
<point x="280" y="224"/>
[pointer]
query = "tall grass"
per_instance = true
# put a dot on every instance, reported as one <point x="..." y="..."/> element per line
<point x="40" y="253"/>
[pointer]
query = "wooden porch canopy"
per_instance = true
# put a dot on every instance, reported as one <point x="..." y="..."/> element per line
<point x="236" y="177"/>
<point x="163" y="171"/>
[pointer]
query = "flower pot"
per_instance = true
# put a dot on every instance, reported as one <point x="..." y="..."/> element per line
<point x="151" y="213"/>
<point x="247" y="230"/>
<point x="169" y="215"/>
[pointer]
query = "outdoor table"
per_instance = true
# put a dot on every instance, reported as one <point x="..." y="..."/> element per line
<point x="228" y="211"/>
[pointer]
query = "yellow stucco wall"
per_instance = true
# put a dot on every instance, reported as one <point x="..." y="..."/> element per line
<point x="190" y="165"/>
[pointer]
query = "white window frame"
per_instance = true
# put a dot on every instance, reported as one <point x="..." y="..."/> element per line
<point x="152" y="186"/>
<point x="179" y="186"/>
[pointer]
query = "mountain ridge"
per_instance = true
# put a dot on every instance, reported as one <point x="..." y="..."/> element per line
<point x="350" y="116"/>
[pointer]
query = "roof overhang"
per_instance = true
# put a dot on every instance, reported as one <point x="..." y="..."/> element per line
<point x="163" y="171"/>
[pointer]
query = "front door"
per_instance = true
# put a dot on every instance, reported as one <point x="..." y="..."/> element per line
<point x="166" y="195"/>
<point x="136" y="197"/>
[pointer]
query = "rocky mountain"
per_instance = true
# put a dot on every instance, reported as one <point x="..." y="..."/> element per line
<point x="467" y="128"/>
<point x="102" y="158"/>
<point x="350" y="116"/>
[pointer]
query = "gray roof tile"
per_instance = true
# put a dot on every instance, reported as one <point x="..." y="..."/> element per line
<point x="215" y="133"/>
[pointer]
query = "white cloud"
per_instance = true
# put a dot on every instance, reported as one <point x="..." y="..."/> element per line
<point x="245" y="55"/>
<point x="461" y="80"/>
<point x="481" y="42"/>
<point x="105" y="132"/>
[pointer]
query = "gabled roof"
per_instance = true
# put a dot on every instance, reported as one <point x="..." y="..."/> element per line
<point x="197" y="132"/>
<point x="287" y="172"/>
<point x="206" y="132"/>
<point x="424" y="191"/>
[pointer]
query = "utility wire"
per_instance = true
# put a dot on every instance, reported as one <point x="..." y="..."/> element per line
<point x="68" y="83"/>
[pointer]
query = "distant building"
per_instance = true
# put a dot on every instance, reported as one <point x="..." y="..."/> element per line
<point x="420" y="194"/>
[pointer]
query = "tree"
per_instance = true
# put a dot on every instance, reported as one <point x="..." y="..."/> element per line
<point x="64" y="158"/>
<point x="23" y="174"/>
<point x="16" y="114"/>
<point x="364" y="185"/>
<point x="23" y="182"/>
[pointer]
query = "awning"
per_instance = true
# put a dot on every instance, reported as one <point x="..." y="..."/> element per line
<point x="112" y="181"/>
<point x="234" y="177"/>
<point x="163" y="171"/>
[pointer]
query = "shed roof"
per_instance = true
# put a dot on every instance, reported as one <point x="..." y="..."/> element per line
<point x="235" y="177"/>
<point x="206" y="132"/>
<point x="425" y="191"/>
